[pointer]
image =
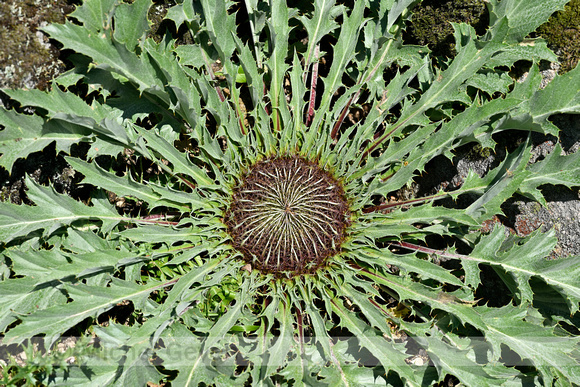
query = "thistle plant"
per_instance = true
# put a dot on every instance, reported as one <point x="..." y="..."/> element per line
<point x="262" y="244"/>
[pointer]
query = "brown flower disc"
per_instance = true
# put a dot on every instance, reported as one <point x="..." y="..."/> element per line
<point x="287" y="215"/>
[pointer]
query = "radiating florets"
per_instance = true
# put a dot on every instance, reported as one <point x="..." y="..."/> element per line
<point x="287" y="215"/>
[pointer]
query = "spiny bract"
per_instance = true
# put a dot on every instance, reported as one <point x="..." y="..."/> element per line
<point x="253" y="159"/>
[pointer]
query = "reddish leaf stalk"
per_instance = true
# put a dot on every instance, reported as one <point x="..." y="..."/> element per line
<point x="187" y="182"/>
<point x="164" y="222"/>
<point x="168" y="283"/>
<point x="380" y="308"/>
<point x="313" y="82"/>
<point x="378" y="142"/>
<point x="155" y="219"/>
<point x="340" y="120"/>
<point x="217" y="88"/>
<point x="220" y="93"/>
<point x="152" y="217"/>
<point x="241" y="122"/>
<point x="212" y="76"/>
<point x="387" y="177"/>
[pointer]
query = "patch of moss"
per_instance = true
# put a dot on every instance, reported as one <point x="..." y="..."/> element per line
<point x="430" y="24"/>
<point x="562" y="31"/>
<point x="27" y="60"/>
<point x="479" y="152"/>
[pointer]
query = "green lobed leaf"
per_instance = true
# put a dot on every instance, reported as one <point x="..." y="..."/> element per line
<point x="321" y="23"/>
<point x="197" y="370"/>
<point x="436" y="299"/>
<point x="95" y="14"/>
<point x="89" y="301"/>
<point x="20" y="298"/>
<point x="490" y="82"/>
<point x="279" y="31"/>
<point x="500" y="184"/>
<point x="60" y="104"/>
<point x="131" y="363"/>
<point x="51" y="212"/>
<point x="533" y="49"/>
<point x="536" y="343"/>
<point x="555" y="169"/>
<point x="85" y="376"/>
<point x="46" y="266"/>
<point x="521" y="17"/>
<point x="388" y="354"/>
<point x="344" y="370"/>
<point x="151" y="193"/>
<point x="106" y="54"/>
<point x="179" y="341"/>
<point x="158" y="145"/>
<point x="344" y="51"/>
<point x="408" y="263"/>
<point x="184" y="96"/>
<point x="450" y="360"/>
<point x="131" y="23"/>
<point x="25" y="134"/>
<point x="182" y="12"/>
<point x="527" y="260"/>
<point x="284" y="341"/>
<point x="561" y="95"/>
<point x="219" y="23"/>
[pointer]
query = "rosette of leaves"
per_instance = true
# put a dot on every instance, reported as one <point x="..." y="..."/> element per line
<point x="263" y="246"/>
